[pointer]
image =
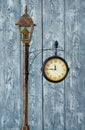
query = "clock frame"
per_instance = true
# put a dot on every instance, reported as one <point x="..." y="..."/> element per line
<point x="50" y="60"/>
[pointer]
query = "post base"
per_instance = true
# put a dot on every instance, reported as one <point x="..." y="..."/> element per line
<point x="25" y="127"/>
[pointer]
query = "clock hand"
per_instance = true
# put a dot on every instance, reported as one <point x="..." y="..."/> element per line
<point x="54" y="67"/>
<point x="51" y="69"/>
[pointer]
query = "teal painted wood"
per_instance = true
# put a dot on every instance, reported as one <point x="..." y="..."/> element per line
<point x="51" y="106"/>
<point x="9" y="67"/>
<point x="53" y="29"/>
<point x="35" y="79"/>
<point x="35" y="75"/>
<point x="75" y="55"/>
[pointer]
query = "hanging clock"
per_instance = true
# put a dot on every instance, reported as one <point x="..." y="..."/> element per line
<point x="55" y="69"/>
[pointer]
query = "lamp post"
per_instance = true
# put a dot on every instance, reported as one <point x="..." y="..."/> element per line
<point x="25" y="27"/>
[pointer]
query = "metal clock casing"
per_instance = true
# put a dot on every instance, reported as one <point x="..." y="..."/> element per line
<point x="55" y="69"/>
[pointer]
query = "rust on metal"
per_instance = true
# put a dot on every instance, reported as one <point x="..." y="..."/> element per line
<point x="25" y="125"/>
<point x="25" y="20"/>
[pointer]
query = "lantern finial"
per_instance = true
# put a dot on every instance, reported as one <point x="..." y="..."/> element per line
<point x="26" y="9"/>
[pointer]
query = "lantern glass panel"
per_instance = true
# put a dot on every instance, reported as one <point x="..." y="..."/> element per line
<point x="25" y="32"/>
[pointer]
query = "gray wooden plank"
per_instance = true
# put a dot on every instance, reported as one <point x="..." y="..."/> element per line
<point x="10" y="67"/>
<point x="53" y="29"/>
<point x="35" y="75"/>
<point x="75" y="55"/>
<point x="11" y="78"/>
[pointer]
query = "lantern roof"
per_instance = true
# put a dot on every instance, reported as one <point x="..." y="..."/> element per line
<point x="25" y="20"/>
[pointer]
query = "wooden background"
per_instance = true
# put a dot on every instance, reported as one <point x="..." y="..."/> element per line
<point x="58" y="106"/>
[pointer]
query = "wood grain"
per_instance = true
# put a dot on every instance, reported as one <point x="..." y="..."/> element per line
<point x="10" y="67"/>
<point x="53" y="29"/>
<point x="51" y="106"/>
<point x="75" y="104"/>
<point x="35" y="75"/>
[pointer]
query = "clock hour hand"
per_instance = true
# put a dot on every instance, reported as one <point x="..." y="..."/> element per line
<point x="51" y="69"/>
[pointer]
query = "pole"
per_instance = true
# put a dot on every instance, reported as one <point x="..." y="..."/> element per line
<point x="25" y="125"/>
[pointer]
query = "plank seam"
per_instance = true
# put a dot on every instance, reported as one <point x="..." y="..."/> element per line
<point x="64" y="80"/>
<point x="42" y="65"/>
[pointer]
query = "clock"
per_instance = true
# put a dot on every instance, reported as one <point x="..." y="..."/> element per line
<point x="55" y="69"/>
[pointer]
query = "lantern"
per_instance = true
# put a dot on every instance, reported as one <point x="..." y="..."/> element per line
<point x="25" y="26"/>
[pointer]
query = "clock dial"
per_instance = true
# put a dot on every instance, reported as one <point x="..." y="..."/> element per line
<point x="55" y="69"/>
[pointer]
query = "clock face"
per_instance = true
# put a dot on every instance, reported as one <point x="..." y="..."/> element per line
<point x="55" y="69"/>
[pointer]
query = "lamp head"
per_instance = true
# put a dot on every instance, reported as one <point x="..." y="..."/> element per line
<point x="25" y="25"/>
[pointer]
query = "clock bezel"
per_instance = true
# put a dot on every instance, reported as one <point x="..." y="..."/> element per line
<point x="52" y="57"/>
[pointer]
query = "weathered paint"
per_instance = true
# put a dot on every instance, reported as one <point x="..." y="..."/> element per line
<point x="58" y="106"/>
<point x="53" y="29"/>
<point x="75" y="54"/>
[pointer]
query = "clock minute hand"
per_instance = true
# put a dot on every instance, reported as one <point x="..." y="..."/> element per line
<point x="54" y="67"/>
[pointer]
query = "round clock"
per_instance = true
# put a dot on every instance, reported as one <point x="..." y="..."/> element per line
<point x="55" y="69"/>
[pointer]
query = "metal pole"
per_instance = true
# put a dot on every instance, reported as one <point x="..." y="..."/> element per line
<point x="25" y="87"/>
